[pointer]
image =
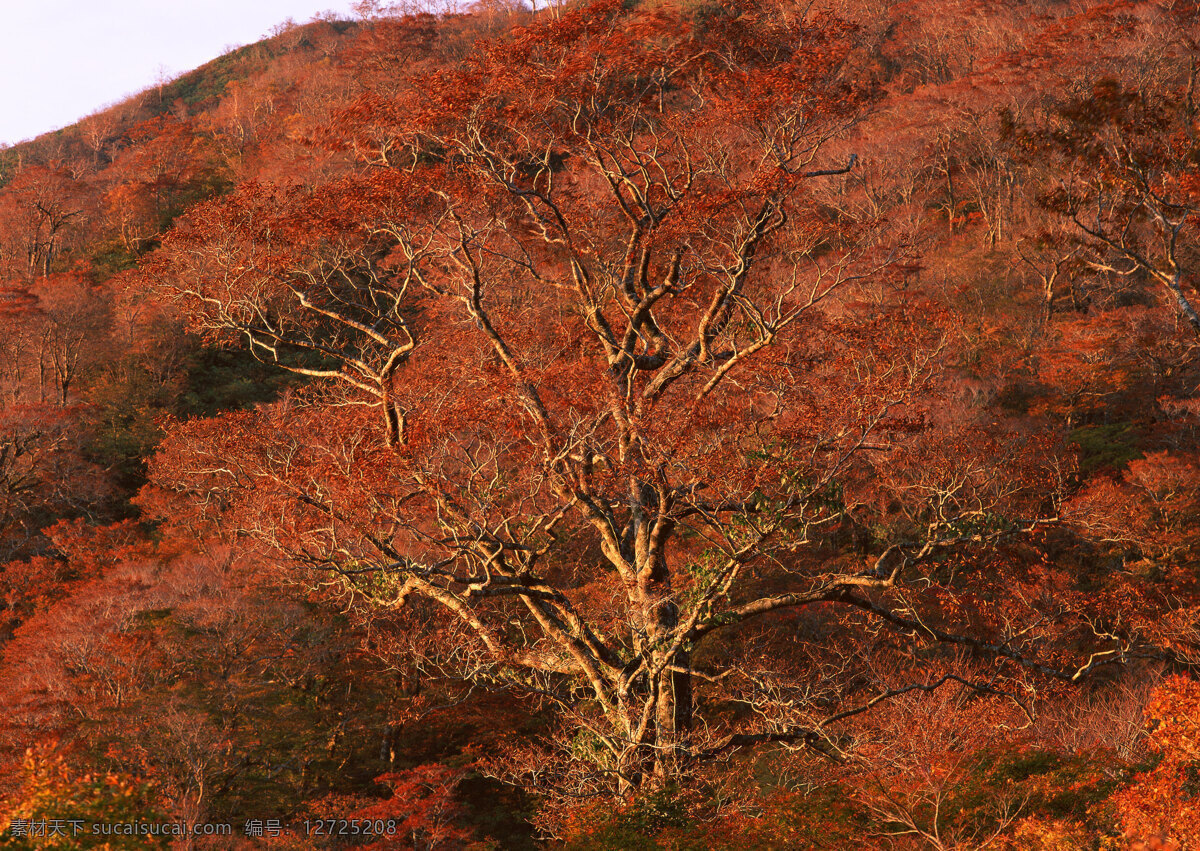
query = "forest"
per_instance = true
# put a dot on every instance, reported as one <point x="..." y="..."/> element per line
<point x="613" y="424"/>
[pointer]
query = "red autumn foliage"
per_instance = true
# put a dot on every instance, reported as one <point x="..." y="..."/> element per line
<point x="771" y="423"/>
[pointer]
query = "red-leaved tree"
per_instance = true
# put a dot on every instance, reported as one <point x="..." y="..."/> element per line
<point x="613" y="394"/>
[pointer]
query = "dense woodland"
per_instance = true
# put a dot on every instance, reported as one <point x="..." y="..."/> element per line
<point x="646" y="424"/>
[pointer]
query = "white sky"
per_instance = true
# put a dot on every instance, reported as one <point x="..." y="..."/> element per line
<point x="63" y="59"/>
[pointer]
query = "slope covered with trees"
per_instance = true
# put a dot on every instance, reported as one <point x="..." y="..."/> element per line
<point x="616" y="424"/>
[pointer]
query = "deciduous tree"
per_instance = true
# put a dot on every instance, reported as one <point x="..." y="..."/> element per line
<point x="609" y="390"/>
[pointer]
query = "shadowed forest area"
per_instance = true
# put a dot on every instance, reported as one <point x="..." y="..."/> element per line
<point x="614" y="425"/>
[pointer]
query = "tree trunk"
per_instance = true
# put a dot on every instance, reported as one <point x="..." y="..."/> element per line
<point x="674" y="721"/>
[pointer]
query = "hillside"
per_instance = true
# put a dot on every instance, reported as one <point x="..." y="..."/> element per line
<point x="614" y="425"/>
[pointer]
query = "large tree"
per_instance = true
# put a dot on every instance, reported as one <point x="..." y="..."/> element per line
<point x="617" y="394"/>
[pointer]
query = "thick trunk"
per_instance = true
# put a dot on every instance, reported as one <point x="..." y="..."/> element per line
<point x="673" y="716"/>
<point x="674" y="721"/>
<point x="662" y="754"/>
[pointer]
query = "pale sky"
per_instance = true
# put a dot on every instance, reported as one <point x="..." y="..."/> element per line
<point x="63" y="59"/>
